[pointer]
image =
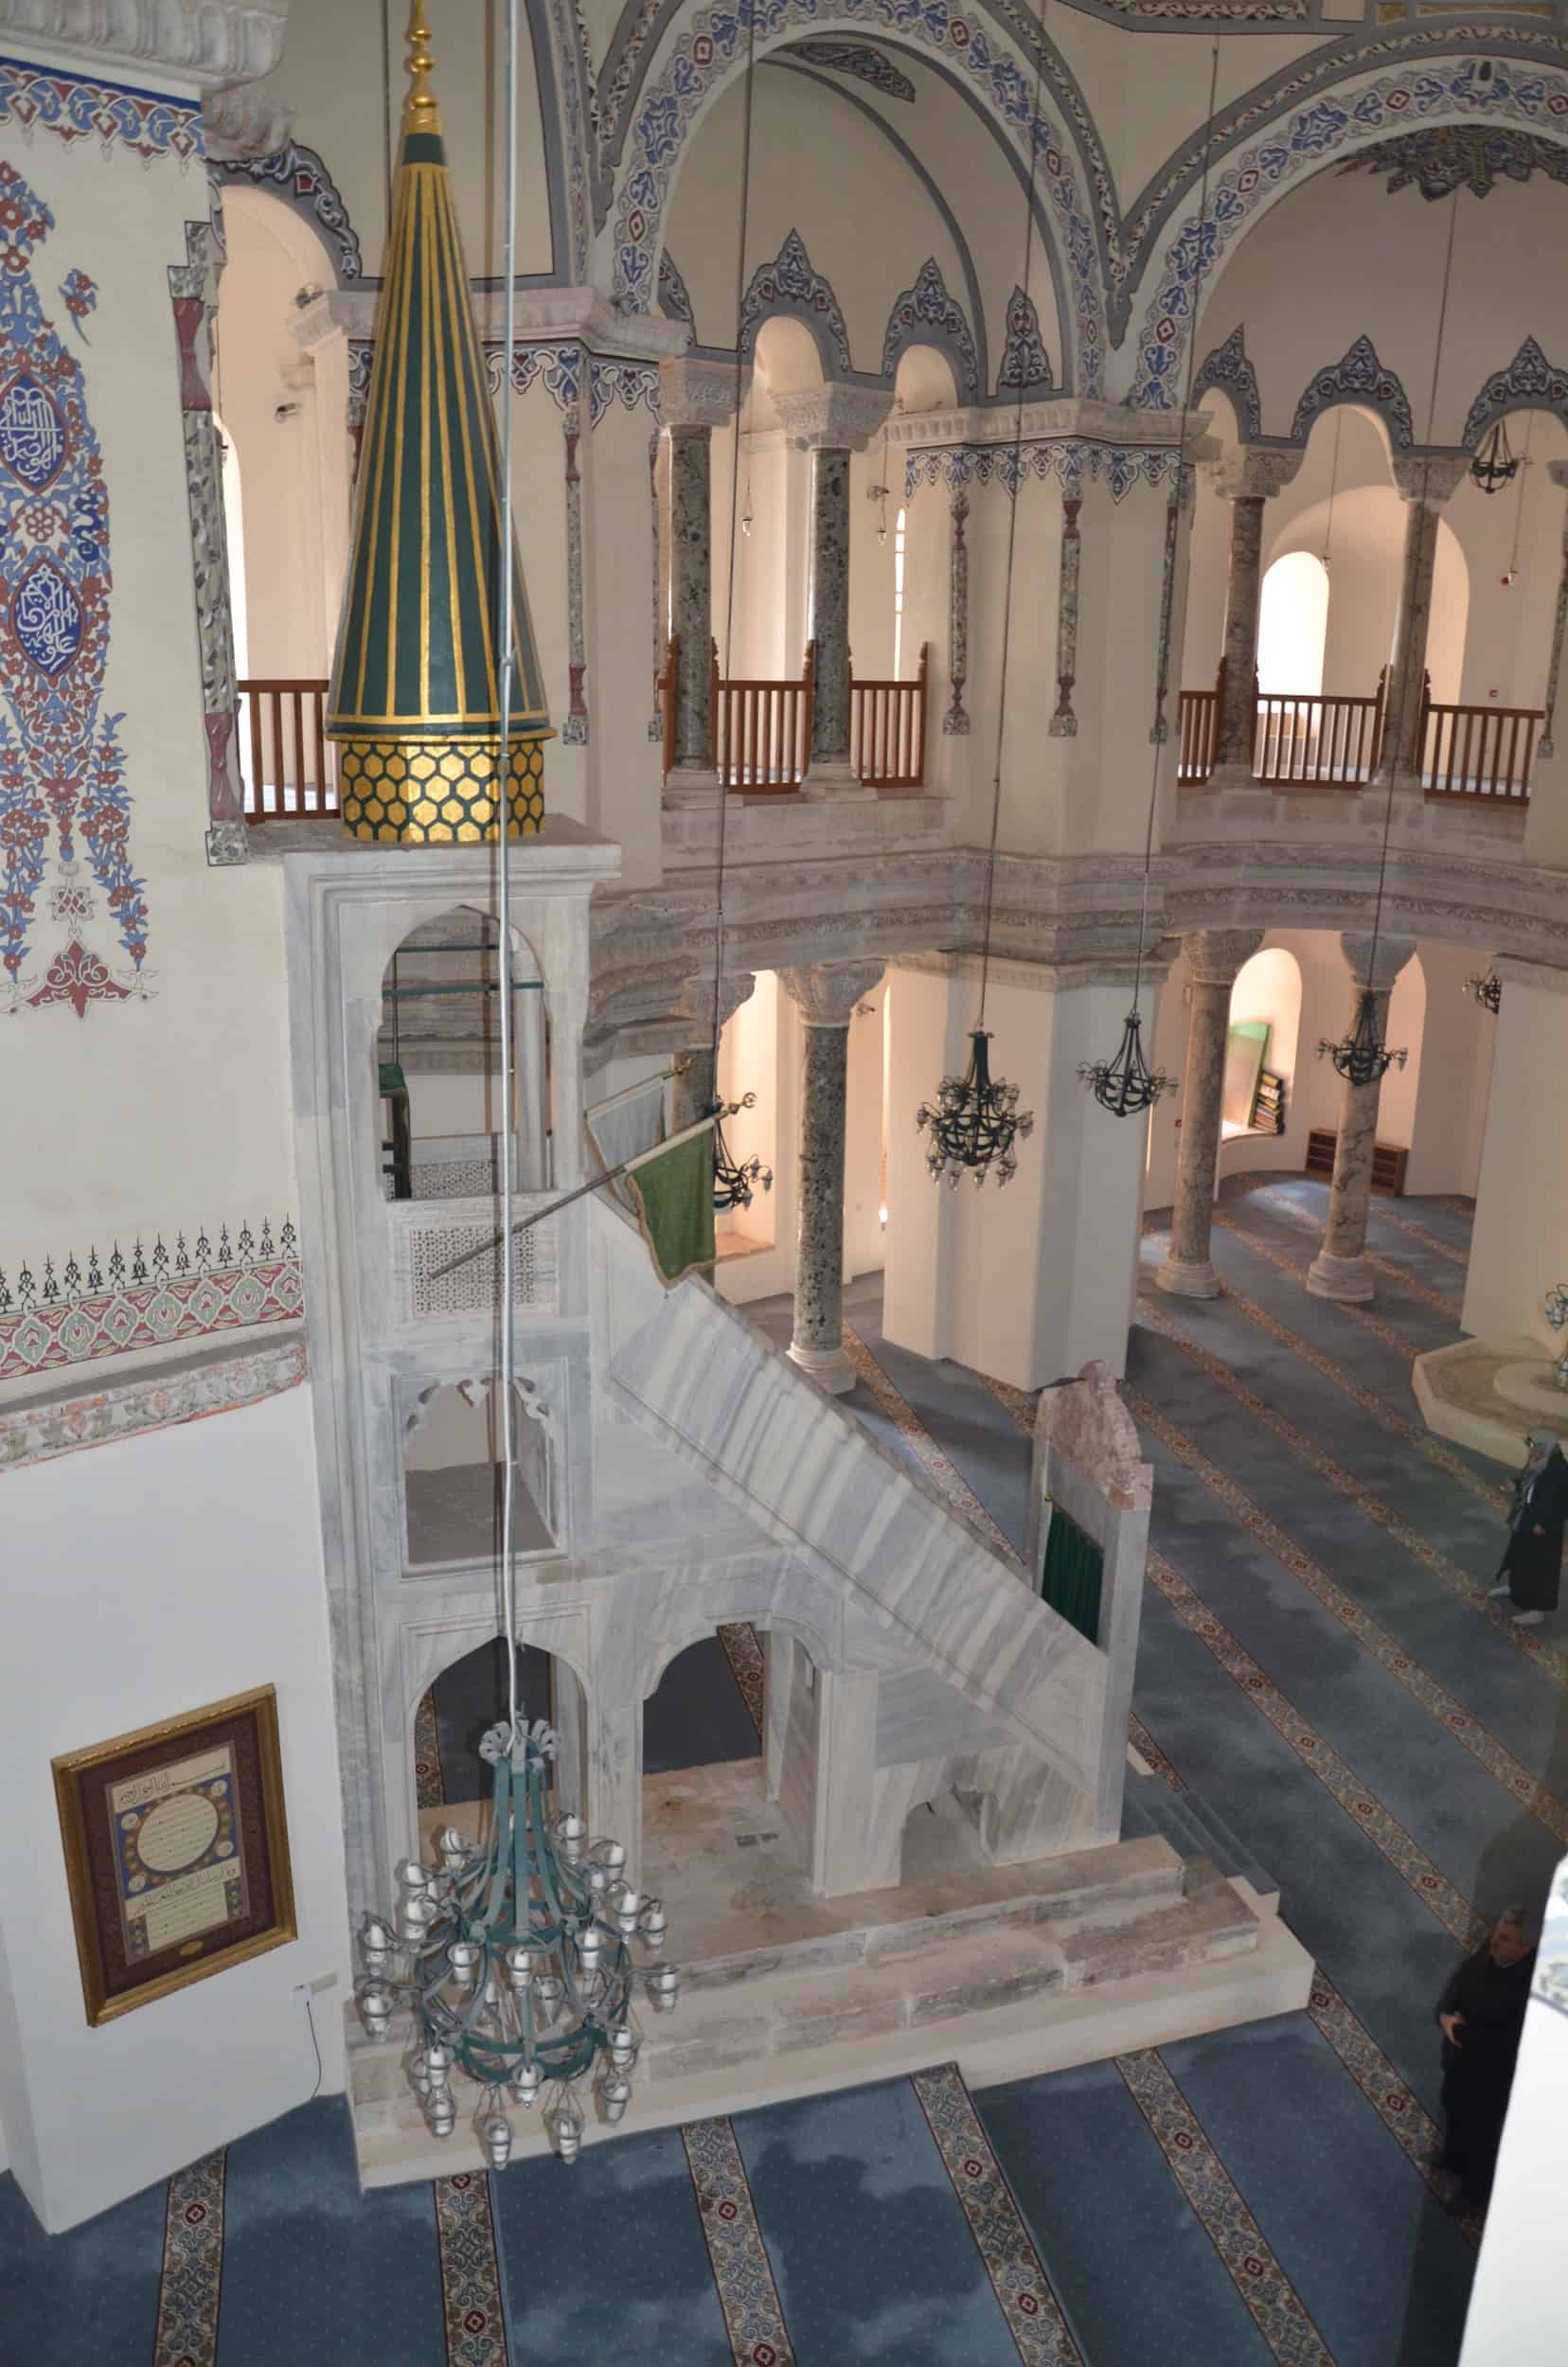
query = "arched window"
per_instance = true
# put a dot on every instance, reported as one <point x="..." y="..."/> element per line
<point x="899" y="595"/>
<point x="1293" y="626"/>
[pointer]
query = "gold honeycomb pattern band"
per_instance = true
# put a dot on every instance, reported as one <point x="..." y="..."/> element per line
<point x="431" y="794"/>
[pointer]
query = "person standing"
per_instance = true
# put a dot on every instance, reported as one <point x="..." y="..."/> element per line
<point x="1481" y="2015"/>
<point x="1531" y="1569"/>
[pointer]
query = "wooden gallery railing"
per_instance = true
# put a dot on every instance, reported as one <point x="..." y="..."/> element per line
<point x="288" y="763"/>
<point x="762" y="728"/>
<point x="1480" y="754"/>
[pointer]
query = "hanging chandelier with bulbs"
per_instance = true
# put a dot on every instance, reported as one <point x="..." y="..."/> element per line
<point x="513" y="1957"/>
<point x="974" y="1122"/>
<point x="1494" y="464"/>
<point x="1362" y="1056"/>
<point x="1126" y="1084"/>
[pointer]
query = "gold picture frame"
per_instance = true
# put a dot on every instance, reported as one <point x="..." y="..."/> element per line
<point x="176" y="1851"/>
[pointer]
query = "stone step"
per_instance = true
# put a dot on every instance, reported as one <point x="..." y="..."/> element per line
<point x="1001" y="2001"/>
<point x="1193" y="1828"/>
<point x="966" y="1967"/>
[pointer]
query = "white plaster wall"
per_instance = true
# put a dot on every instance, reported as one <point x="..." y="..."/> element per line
<point x="120" y="1114"/>
<point x="759" y="1053"/>
<point x="1453" y="1085"/>
<point x="862" y="1146"/>
<point x="331" y="77"/>
<point x="141" y="1580"/>
<point x="1519" y="1248"/>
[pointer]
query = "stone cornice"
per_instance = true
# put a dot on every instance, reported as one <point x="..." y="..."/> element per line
<point x="567" y="315"/>
<point x="92" y="1411"/>
<point x="1062" y="420"/>
<point x="201" y="43"/>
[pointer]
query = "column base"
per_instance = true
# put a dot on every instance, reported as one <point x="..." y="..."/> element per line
<point x="1188" y="1278"/>
<point x="1238" y="774"/>
<point x="829" y="1368"/>
<point x="1348" y="1279"/>
<point x="693" y="784"/>
<point x="836" y="783"/>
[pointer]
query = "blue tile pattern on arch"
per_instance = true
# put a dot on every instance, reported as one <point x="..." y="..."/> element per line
<point x="714" y="43"/>
<point x="1345" y="119"/>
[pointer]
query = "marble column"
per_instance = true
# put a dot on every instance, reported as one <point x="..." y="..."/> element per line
<point x="831" y="422"/>
<point x="1340" y="1269"/>
<point x="1246" y="478"/>
<point x="1425" y="483"/>
<point x="1557" y="472"/>
<point x="696" y="1077"/>
<point x="827" y="996"/>
<point x="694" y="398"/>
<point x="1213" y="957"/>
<point x="955" y="721"/>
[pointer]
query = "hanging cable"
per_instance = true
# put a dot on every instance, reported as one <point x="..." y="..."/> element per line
<point x="1362" y="1056"/>
<point x="507" y="642"/>
<point x="748" y="108"/>
<point x="1125" y="1085"/>
<point x="1013" y="526"/>
<point x="1519" y="505"/>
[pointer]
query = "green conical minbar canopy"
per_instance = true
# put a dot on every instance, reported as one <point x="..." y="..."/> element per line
<point x="416" y="696"/>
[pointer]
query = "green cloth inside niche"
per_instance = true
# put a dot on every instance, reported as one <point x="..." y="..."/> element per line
<point x="1070" y="1577"/>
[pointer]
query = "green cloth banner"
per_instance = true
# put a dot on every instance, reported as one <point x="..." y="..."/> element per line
<point x="674" y="1195"/>
<point x="1070" y="1579"/>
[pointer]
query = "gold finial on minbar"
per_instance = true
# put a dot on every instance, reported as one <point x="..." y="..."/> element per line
<point x="421" y="109"/>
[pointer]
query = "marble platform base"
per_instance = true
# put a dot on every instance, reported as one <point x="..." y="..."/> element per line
<point x="1348" y="1279"/>
<point x="836" y="783"/>
<point x="1460" y="1392"/>
<point x="1188" y="1278"/>
<point x="829" y="1367"/>
<point x="693" y="784"/>
<point x="1012" y="1970"/>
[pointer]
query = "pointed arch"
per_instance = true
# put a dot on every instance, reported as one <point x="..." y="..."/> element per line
<point x="790" y="288"/>
<point x="1360" y="378"/>
<point x="925" y="314"/>
<point x="1530" y="383"/>
<point x="1230" y="372"/>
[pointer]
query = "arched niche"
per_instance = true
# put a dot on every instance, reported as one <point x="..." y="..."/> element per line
<point x="705" y="1709"/>
<point x="452" y="1466"/>
<point x="1293" y="626"/>
<point x="438" y="1056"/>
<point x="462" y="1701"/>
<point x="924" y="380"/>
<point x="285" y="408"/>
<point x="1268" y="990"/>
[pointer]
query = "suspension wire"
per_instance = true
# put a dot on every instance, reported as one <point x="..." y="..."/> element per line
<point x="1402" y="709"/>
<point x="749" y="107"/>
<point x="1519" y="505"/>
<point x="1333" y="486"/>
<point x="1012" y="524"/>
<point x="506" y="639"/>
<point x="1162" y="668"/>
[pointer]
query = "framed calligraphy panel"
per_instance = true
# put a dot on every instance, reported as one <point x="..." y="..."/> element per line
<point x="176" y="1851"/>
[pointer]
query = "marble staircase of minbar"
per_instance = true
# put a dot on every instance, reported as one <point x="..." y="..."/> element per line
<point x="1138" y="1948"/>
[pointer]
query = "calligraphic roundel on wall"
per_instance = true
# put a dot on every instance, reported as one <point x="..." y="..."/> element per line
<point x="46" y="618"/>
<point x="32" y="435"/>
<point x="63" y="790"/>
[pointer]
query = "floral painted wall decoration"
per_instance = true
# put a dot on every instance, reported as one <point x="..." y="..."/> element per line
<point x="63" y="791"/>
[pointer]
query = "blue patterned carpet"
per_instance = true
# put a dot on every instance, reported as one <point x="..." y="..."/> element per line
<point x="1319" y="1666"/>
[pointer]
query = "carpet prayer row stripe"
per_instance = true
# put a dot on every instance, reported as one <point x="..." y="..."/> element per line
<point x="471" y="2274"/>
<point x="1343" y="1785"/>
<point x="1375" y="1641"/>
<point x="1276" y="2308"/>
<point x="1404" y="2115"/>
<point x="909" y="1425"/>
<point x="743" y="1652"/>
<point x="1427" y="1239"/>
<point x="1023" y="2289"/>
<point x="190" y="2284"/>
<point x="1296" y="1268"/>
<point x="741" y="2269"/>
<point x="1368" y="1813"/>
<point x="1384" y="1266"/>
<point x="1425" y="1442"/>
<point x="1461" y="1582"/>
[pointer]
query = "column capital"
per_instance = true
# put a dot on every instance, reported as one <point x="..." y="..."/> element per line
<point x="1214" y="955"/>
<point x="319" y="325"/>
<point x="210" y="42"/>
<point x="697" y="998"/>
<point x="696" y="394"/>
<point x="843" y="418"/>
<point x="1255" y="472"/>
<point x="828" y="992"/>
<point x="1429" y="477"/>
<point x="1393" y="953"/>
